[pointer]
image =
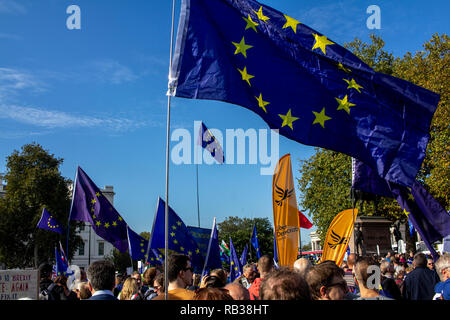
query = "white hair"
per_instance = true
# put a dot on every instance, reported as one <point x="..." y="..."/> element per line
<point x="441" y="264"/>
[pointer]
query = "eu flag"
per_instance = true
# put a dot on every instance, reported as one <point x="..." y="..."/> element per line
<point x="47" y="222"/>
<point x="90" y="205"/>
<point x="254" y="241"/>
<point x="425" y="214"/>
<point x="243" y="260"/>
<point x="213" y="260"/>
<point x="61" y="264"/>
<point x="180" y="240"/>
<point x="235" y="265"/>
<point x="207" y="140"/>
<point x="137" y="245"/>
<point x="298" y="81"/>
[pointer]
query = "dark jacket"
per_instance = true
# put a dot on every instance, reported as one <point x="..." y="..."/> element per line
<point x="419" y="284"/>
<point x="390" y="288"/>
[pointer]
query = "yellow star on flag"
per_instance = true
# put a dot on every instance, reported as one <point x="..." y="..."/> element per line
<point x="175" y="241"/>
<point x="321" y="42"/>
<point x="98" y="223"/>
<point x="114" y="224"/>
<point x="288" y="119"/>
<point x="197" y="251"/>
<point x="260" y="15"/>
<point x="174" y="227"/>
<point x="344" y="104"/>
<point x="107" y="225"/>
<point x="93" y="201"/>
<point x="261" y="103"/>
<point x="242" y="47"/>
<point x="190" y="253"/>
<point x="352" y="84"/>
<point x="291" y="22"/>
<point x="94" y="216"/>
<point x="406" y="212"/>
<point x="245" y="75"/>
<point x="172" y="234"/>
<point x="250" y="23"/>
<point x="179" y="223"/>
<point x="341" y="67"/>
<point x="182" y="248"/>
<point x="97" y="194"/>
<point x="120" y="218"/>
<point x="321" y="118"/>
<point x="232" y="263"/>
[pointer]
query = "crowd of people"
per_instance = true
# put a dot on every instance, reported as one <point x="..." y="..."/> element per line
<point x="393" y="277"/>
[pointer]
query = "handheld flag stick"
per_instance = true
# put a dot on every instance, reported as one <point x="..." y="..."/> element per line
<point x="166" y="220"/>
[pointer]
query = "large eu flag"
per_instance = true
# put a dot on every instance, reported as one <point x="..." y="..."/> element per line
<point x="180" y="240"/>
<point x="311" y="89"/>
<point x="90" y="205"/>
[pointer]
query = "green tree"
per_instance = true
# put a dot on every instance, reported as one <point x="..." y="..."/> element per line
<point x="33" y="182"/>
<point x="326" y="176"/>
<point x="240" y="230"/>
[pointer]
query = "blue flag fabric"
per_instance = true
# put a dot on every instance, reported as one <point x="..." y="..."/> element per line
<point x="427" y="216"/>
<point x="201" y="237"/>
<point x="213" y="256"/>
<point x="298" y="81"/>
<point x="47" y="222"/>
<point x="137" y="245"/>
<point x="90" y="205"/>
<point x="411" y="228"/>
<point x="61" y="263"/>
<point x="180" y="240"/>
<point x="254" y="241"/>
<point x="243" y="259"/>
<point x="207" y="140"/>
<point x="235" y="265"/>
<point x="275" y="251"/>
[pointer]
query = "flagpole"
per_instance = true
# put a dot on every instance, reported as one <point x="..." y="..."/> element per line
<point x="70" y="212"/>
<point x="166" y="218"/>
<point x="198" y="202"/>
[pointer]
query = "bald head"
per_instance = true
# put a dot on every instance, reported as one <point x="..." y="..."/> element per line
<point x="302" y="266"/>
<point x="237" y="291"/>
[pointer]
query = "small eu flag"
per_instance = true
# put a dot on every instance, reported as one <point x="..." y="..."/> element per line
<point x="61" y="263"/>
<point x="47" y="222"/>
<point x="243" y="259"/>
<point x="254" y="241"/>
<point x="302" y="83"/>
<point x="180" y="240"/>
<point x="137" y="245"/>
<point x="212" y="260"/>
<point x="207" y="140"/>
<point x="90" y="205"/>
<point x="235" y="265"/>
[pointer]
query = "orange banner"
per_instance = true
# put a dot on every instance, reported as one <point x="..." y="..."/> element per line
<point x="338" y="236"/>
<point x="285" y="212"/>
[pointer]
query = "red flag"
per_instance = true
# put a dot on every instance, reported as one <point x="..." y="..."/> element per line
<point x="304" y="222"/>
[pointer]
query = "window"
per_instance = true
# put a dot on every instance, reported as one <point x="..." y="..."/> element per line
<point x="81" y="249"/>
<point x="101" y="248"/>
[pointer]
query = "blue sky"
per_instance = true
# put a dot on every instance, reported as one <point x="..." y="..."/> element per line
<point x="96" y="97"/>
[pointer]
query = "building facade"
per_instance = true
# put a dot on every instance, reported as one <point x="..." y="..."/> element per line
<point x="315" y="241"/>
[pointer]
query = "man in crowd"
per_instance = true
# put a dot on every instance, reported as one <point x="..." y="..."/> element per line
<point x="101" y="277"/>
<point x="326" y="281"/>
<point x="45" y="271"/>
<point x="179" y="274"/>
<point x="348" y="274"/>
<point x="390" y="288"/>
<point x="419" y="284"/>
<point x="284" y="284"/>
<point x="302" y="266"/>
<point x="264" y="266"/>
<point x="367" y="288"/>
<point x="237" y="291"/>
<point x="248" y="276"/>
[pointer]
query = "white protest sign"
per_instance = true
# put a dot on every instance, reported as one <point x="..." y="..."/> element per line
<point x="17" y="284"/>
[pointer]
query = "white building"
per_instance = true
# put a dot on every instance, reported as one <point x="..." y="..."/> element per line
<point x="2" y="187"/>
<point x="94" y="248"/>
<point x="315" y="241"/>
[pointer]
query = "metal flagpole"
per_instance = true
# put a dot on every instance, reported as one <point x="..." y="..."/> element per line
<point x="166" y="218"/>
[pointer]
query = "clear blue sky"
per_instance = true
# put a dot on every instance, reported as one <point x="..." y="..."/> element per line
<point x="96" y="96"/>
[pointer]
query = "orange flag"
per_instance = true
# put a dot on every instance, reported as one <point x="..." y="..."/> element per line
<point x="285" y="212"/>
<point x="338" y="236"/>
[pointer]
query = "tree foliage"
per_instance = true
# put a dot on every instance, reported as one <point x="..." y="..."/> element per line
<point x="33" y="182"/>
<point x="240" y="230"/>
<point x="326" y="176"/>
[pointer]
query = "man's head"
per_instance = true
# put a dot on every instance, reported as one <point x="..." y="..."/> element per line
<point x="351" y="259"/>
<point x="101" y="275"/>
<point x="326" y="282"/>
<point x="265" y="265"/>
<point x="420" y="260"/>
<point x="302" y="266"/>
<point x="83" y="291"/>
<point x="430" y="263"/>
<point x="149" y="276"/>
<point x="180" y="270"/>
<point x="249" y="272"/>
<point x="284" y="284"/>
<point x="136" y="275"/>
<point x="237" y="291"/>
<point x="361" y="270"/>
<point x="443" y="267"/>
<point x="45" y="270"/>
